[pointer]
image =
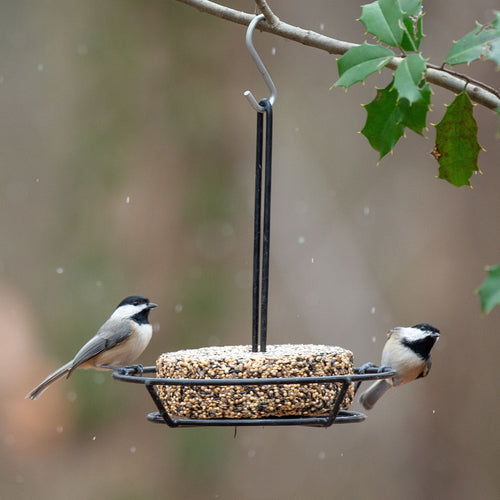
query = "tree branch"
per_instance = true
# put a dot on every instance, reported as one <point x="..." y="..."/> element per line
<point x="271" y="18"/>
<point x="456" y="82"/>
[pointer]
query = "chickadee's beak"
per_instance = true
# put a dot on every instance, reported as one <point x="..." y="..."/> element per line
<point x="152" y="305"/>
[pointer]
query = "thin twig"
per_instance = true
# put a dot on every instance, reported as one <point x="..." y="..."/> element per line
<point x="455" y="82"/>
<point x="465" y="77"/>
<point x="271" y="18"/>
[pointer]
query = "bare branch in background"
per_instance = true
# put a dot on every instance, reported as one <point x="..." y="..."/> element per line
<point x="270" y="16"/>
<point x="456" y="82"/>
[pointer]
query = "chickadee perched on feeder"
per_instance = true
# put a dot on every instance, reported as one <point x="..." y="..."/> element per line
<point x="119" y="341"/>
<point x="408" y="351"/>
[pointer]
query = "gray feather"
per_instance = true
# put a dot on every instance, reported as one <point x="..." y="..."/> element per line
<point x="373" y="394"/>
<point x="111" y="333"/>
<point x="37" y="391"/>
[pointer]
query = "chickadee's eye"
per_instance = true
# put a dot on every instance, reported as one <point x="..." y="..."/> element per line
<point x="136" y="302"/>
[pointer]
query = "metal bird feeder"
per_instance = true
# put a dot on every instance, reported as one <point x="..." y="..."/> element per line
<point x="323" y="394"/>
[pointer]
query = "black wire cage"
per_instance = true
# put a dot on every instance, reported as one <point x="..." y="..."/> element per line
<point x="335" y="415"/>
<point x="346" y="385"/>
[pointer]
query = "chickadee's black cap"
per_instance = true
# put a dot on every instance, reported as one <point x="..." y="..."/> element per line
<point x="426" y="327"/>
<point x="133" y="300"/>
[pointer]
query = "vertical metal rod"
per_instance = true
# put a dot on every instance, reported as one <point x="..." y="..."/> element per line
<point x="338" y="401"/>
<point x="257" y="231"/>
<point x="262" y="225"/>
<point x="266" y="223"/>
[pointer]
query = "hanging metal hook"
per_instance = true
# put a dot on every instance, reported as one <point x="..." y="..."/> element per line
<point x="260" y="65"/>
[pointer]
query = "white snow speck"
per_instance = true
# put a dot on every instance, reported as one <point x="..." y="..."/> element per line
<point x="321" y="27"/>
<point x="40" y="67"/>
<point x="366" y="210"/>
<point x="133" y="449"/>
<point x="321" y="455"/>
<point x="127" y="200"/>
<point x="59" y="270"/>
<point x="372" y="310"/>
<point x="251" y="453"/>
<point x="374" y="339"/>
<point x="59" y="429"/>
<point x="178" y="308"/>
<point x="301" y="240"/>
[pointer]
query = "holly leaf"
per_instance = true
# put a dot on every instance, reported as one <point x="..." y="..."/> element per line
<point x="383" y="19"/>
<point x="412" y="33"/>
<point x="409" y="76"/>
<point x="361" y="61"/>
<point x="489" y="291"/>
<point x="482" y="42"/>
<point x="456" y="147"/>
<point x="397" y="23"/>
<point x="411" y="24"/>
<point x="411" y="7"/>
<point x="414" y="116"/>
<point x="383" y="127"/>
<point x="409" y="40"/>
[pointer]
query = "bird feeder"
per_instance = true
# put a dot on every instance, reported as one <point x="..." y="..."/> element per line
<point x="257" y="384"/>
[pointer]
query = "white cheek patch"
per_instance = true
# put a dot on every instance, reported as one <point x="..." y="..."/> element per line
<point x="412" y="334"/>
<point x="127" y="311"/>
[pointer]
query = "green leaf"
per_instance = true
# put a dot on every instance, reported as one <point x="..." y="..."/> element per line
<point x="408" y="77"/>
<point x="383" y="19"/>
<point x="383" y="127"/>
<point x="415" y="116"/>
<point x="359" y="62"/>
<point x="395" y="22"/>
<point x="419" y="30"/>
<point x="482" y="42"/>
<point x="411" y="24"/>
<point x="411" y="7"/>
<point x="456" y="147"/>
<point x="409" y="41"/>
<point x="489" y="291"/>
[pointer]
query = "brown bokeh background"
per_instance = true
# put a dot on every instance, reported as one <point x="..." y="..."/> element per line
<point x="127" y="167"/>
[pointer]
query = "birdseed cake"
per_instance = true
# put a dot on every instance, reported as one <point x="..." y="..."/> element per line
<point x="253" y="401"/>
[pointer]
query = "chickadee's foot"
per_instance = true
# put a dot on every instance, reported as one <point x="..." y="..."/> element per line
<point x="137" y="369"/>
<point x="366" y="366"/>
<point x="363" y="369"/>
<point x="384" y="368"/>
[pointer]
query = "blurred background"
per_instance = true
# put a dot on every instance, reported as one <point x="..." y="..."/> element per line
<point x="126" y="167"/>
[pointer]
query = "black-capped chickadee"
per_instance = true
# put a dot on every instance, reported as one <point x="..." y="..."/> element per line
<point x="119" y="341"/>
<point x="408" y="352"/>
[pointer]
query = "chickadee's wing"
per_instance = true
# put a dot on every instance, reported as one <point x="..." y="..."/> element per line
<point x="111" y="333"/>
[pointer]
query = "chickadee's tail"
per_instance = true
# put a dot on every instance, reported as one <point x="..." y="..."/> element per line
<point x="37" y="391"/>
<point x="373" y="394"/>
